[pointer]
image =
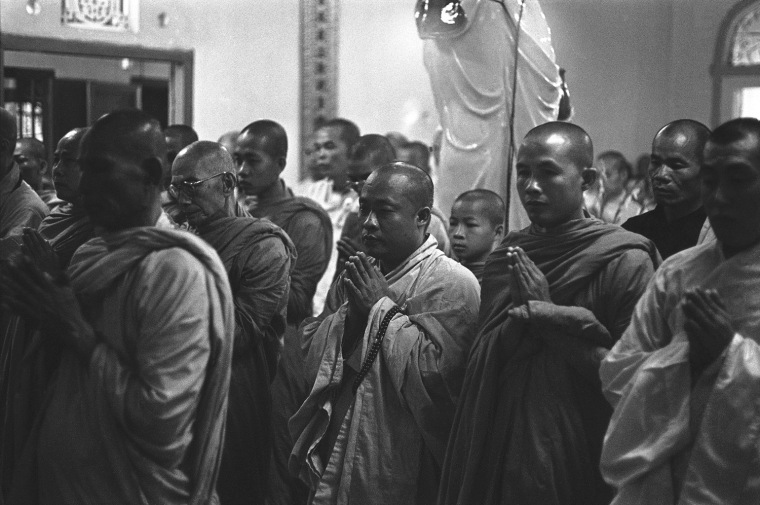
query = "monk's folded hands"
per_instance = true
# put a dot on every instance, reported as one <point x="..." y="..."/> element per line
<point x="39" y="250"/>
<point x="49" y="303"/>
<point x="708" y="327"/>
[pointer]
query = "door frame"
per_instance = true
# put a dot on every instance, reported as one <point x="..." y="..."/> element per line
<point x="182" y="62"/>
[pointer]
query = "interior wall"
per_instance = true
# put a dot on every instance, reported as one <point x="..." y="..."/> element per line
<point x="246" y="55"/>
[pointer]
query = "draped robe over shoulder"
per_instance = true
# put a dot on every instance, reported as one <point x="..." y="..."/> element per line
<point x="529" y="427"/>
<point x="258" y="257"/>
<point x="142" y="422"/>
<point x="671" y="441"/>
<point x="391" y="440"/>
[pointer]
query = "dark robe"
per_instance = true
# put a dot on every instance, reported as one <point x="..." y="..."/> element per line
<point x="669" y="238"/>
<point x="258" y="257"/>
<point x="476" y="268"/>
<point x="530" y="423"/>
<point x="26" y="361"/>
<point x="310" y="229"/>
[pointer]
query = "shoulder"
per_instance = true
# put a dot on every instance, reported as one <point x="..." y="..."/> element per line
<point x="641" y="222"/>
<point x="170" y="264"/>
<point x="457" y="278"/>
<point x="689" y="260"/>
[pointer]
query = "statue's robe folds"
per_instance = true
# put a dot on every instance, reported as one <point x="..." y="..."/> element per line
<point x="530" y="423"/>
<point x="388" y="445"/>
<point x="471" y="76"/>
<point x="142" y="421"/>
<point x="258" y="257"/>
<point x="673" y="439"/>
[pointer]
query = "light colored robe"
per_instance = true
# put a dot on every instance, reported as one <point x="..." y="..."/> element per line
<point x="20" y="207"/>
<point x="396" y="428"/>
<point x="666" y="434"/>
<point x="142" y="422"/>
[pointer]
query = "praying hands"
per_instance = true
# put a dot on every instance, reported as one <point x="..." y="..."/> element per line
<point x="708" y="326"/>
<point x="50" y="302"/>
<point x="526" y="281"/>
<point x="365" y="284"/>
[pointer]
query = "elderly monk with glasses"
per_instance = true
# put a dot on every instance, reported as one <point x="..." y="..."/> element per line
<point x="259" y="258"/>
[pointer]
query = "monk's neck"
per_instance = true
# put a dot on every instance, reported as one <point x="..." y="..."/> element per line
<point x="674" y="212"/>
<point x="273" y="193"/>
<point x="230" y="207"/>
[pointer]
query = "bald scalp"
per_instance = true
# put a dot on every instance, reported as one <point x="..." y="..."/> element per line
<point x="32" y="148"/>
<point x="493" y="205"/>
<point x="74" y="137"/>
<point x="129" y="134"/>
<point x="735" y="130"/>
<point x="578" y="145"/>
<point x="270" y="136"/>
<point x="690" y="134"/>
<point x="207" y="157"/>
<point x="373" y="148"/>
<point x="418" y="186"/>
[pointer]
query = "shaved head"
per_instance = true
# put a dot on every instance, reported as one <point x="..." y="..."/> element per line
<point x="129" y="134"/>
<point x="374" y="148"/>
<point x="571" y="139"/>
<point x="7" y="140"/>
<point x="205" y="159"/>
<point x="182" y="132"/>
<point x="270" y="137"/>
<point x="493" y="205"/>
<point x="32" y="147"/>
<point x="688" y="135"/>
<point x="418" y="186"/>
<point x="229" y="139"/>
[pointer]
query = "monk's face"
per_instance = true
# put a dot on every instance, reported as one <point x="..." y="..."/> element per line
<point x="330" y="156"/>
<point x="32" y="167"/>
<point x="202" y="189"/>
<point x="549" y="182"/>
<point x="473" y="236"/>
<point x="66" y="170"/>
<point x="391" y="228"/>
<point x="731" y="191"/>
<point x="117" y="194"/>
<point x="674" y="169"/>
<point x="257" y="169"/>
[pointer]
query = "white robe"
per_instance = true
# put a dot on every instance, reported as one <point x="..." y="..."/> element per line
<point x="665" y="435"/>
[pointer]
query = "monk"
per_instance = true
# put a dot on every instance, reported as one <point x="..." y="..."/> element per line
<point x="20" y="206"/>
<point x="476" y="227"/>
<point x="258" y="257"/>
<point x="386" y="357"/>
<point x="32" y="158"/>
<point x="261" y="155"/>
<point x="145" y="318"/>
<point x="556" y="296"/>
<point x="329" y="185"/>
<point x="677" y="220"/>
<point x="684" y="377"/>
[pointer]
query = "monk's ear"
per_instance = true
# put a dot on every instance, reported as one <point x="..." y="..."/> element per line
<point x="154" y="169"/>
<point x="423" y="216"/>
<point x="229" y="181"/>
<point x="589" y="176"/>
<point x="281" y="162"/>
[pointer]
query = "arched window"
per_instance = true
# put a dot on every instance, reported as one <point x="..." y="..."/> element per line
<point x="736" y="67"/>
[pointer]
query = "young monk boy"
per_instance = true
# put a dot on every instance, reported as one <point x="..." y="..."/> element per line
<point x="476" y="227"/>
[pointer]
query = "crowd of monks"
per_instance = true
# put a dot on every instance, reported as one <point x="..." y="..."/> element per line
<point x="178" y="326"/>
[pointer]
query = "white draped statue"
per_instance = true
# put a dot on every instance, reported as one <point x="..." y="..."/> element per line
<point x="469" y="55"/>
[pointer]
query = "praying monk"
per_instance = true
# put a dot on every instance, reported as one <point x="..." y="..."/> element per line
<point x="555" y="296"/>
<point x="685" y="377"/>
<point x="258" y="257"/>
<point x="136" y="411"/>
<point x="261" y="154"/>
<point x="20" y="206"/>
<point x="476" y="227"/>
<point x="676" y="222"/>
<point x="29" y="361"/>
<point x="386" y="357"/>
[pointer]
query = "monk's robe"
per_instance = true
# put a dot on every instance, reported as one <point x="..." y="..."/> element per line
<point x="386" y="446"/>
<point x="310" y="229"/>
<point x="20" y="207"/>
<point x="673" y="439"/>
<point x="258" y="257"/>
<point x="476" y="267"/>
<point x="28" y="360"/>
<point x="530" y="424"/>
<point x="142" y="421"/>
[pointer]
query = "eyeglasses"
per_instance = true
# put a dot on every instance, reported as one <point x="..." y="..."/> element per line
<point x="190" y="188"/>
